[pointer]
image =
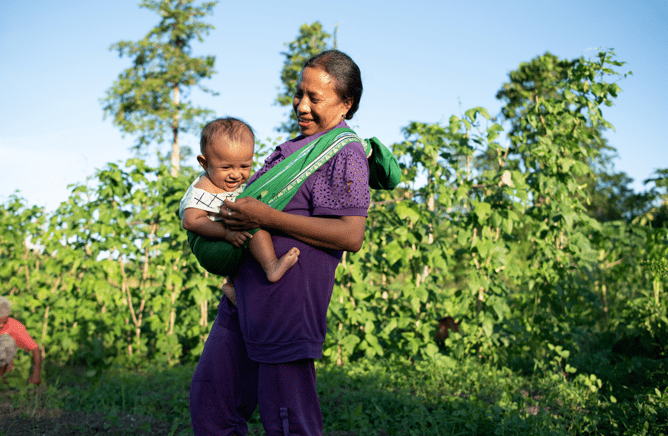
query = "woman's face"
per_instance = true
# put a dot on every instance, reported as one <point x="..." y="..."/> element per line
<point x="316" y="103"/>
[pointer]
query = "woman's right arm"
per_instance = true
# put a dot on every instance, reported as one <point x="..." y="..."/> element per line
<point x="335" y="233"/>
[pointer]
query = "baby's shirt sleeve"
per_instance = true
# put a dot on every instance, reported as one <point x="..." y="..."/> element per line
<point x="200" y="199"/>
<point x="342" y="189"/>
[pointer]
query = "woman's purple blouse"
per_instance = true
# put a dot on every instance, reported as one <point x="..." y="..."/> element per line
<point x="286" y="321"/>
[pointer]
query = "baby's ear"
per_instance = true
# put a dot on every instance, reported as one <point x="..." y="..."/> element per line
<point x="202" y="161"/>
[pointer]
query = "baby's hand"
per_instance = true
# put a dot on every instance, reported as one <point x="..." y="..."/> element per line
<point x="237" y="238"/>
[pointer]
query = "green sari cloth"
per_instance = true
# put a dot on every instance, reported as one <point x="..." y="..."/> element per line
<point x="278" y="185"/>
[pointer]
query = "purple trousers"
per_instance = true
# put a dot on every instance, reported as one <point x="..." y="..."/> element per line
<point x="227" y="386"/>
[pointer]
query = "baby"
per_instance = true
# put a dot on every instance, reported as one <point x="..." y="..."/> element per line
<point x="227" y="147"/>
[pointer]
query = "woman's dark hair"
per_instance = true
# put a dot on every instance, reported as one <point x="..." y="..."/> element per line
<point x="232" y="129"/>
<point x="346" y="73"/>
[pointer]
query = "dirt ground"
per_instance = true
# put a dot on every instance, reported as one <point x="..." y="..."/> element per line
<point x="80" y="423"/>
<point x="62" y="423"/>
<point x="42" y="422"/>
<point x="35" y="421"/>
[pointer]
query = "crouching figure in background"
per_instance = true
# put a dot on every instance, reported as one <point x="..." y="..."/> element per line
<point x="13" y="334"/>
<point x="445" y="326"/>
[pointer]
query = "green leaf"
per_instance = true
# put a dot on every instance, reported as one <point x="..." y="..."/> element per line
<point x="349" y="343"/>
<point x="488" y="326"/>
<point x="463" y="236"/>
<point x="482" y="111"/>
<point x="393" y="252"/>
<point x="485" y="247"/>
<point x="422" y="294"/>
<point x="501" y="308"/>
<point x="406" y="211"/>
<point x="431" y="350"/>
<point x="507" y="225"/>
<point x="373" y="343"/>
<point x="496" y="219"/>
<point x="482" y="210"/>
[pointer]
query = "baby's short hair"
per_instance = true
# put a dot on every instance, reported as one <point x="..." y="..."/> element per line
<point x="232" y="129"/>
<point x="7" y="350"/>
<point x="5" y="307"/>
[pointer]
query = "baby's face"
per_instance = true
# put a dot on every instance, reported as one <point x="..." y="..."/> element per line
<point x="228" y="163"/>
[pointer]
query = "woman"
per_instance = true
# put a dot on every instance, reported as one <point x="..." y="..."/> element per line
<point x="262" y="351"/>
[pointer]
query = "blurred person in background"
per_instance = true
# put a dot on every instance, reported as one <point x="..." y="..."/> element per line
<point x="21" y="339"/>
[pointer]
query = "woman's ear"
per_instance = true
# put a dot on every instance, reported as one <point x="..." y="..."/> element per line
<point x="347" y="104"/>
<point x="202" y="161"/>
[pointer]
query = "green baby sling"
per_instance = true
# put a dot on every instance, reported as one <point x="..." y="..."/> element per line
<point x="279" y="184"/>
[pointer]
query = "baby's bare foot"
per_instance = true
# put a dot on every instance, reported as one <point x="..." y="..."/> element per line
<point x="230" y="293"/>
<point x="276" y="269"/>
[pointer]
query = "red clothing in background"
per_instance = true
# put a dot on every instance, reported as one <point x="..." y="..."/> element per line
<point x="18" y="331"/>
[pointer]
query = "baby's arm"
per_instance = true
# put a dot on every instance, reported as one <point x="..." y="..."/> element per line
<point x="197" y="221"/>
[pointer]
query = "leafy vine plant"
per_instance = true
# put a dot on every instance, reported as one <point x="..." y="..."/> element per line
<point x="489" y="227"/>
<point x="493" y="235"/>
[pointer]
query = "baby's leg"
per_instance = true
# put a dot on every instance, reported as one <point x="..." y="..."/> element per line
<point x="229" y="291"/>
<point x="262" y="250"/>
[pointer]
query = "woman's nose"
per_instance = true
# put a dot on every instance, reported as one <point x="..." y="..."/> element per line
<point x="303" y="106"/>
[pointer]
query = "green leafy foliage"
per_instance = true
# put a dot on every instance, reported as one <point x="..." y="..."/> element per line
<point x="376" y="397"/>
<point x="107" y="278"/>
<point x="495" y="236"/>
<point x="491" y="231"/>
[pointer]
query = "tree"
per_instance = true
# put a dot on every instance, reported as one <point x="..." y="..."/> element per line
<point x="146" y="98"/>
<point x="555" y="111"/>
<point x="612" y="199"/>
<point x="547" y="78"/>
<point x="658" y="198"/>
<point x="543" y="88"/>
<point x="310" y="41"/>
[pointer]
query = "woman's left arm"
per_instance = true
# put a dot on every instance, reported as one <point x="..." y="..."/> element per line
<point x="335" y="233"/>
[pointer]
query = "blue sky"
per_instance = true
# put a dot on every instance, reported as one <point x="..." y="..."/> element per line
<point x="423" y="61"/>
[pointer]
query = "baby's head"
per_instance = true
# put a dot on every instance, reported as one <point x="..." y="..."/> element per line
<point x="227" y="147"/>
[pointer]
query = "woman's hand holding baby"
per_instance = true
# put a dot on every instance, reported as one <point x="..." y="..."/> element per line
<point x="244" y="214"/>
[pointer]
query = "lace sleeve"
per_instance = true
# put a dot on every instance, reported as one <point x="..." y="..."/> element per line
<point x="342" y="189"/>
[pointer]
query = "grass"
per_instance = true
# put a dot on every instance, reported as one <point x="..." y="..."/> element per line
<point x="606" y="395"/>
